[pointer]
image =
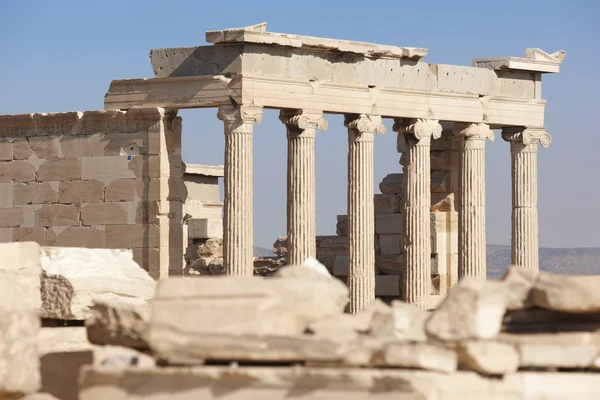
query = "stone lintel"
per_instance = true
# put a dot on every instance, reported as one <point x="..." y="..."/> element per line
<point x="205" y="170"/>
<point x="535" y="60"/>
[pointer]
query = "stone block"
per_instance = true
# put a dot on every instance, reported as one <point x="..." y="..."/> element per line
<point x="404" y="323"/>
<point x="550" y="356"/>
<point x="121" y="190"/>
<point x="341" y="227"/>
<point x="45" y="147"/>
<point x="389" y="264"/>
<point x="6" y="195"/>
<point x="487" y="357"/>
<point x="29" y="212"/>
<point x="35" y="234"/>
<point x="73" y="277"/>
<point x="145" y="166"/>
<point x="239" y="307"/>
<point x="441" y="182"/>
<point x="21" y="149"/>
<point x="6" y="235"/>
<point x="340" y="265"/>
<point x="11" y="217"/>
<point x="117" y="236"/>
<point x="392" y="184"/>
<point x="205" y="228"/>
<point x="16" y="171"/>
<point x="19" y="362"/>
<point x="62" y="339"/>
<point x="106" y="169"/>
<point x="57" y="215"/>
<point x="473" y="309"/>
<point x="119" y="324"/>
<point x="518" y="282"/>
<point x="135" y="143"/>
<point x="105" y="213"/>
<point x="20" y="271"/>
<point x="76" y="146"/>
<point x="23" y="192"/>
<point x="45" y="192"/>
<point x="391" y="244"/>
<point x="459" y="79"/>
<point x="146" y="235"/>
<point x="82" y="236"/>
<point x="389" y="224"/>
<point x="387" y="285"/>
<point x="387" y="203"/>
<point x="6" y="150"/>
<point x="574" y="294"/>
<point x="59" y="170"/>
<point x="417" y="355"/>
<point x="81" y="192"/>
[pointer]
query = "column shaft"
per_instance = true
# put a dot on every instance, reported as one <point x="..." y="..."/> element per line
<point x="524" y="242"/>
<point x="238" y="257"/>
<point x="301" y="193"/>
<point x="361" y="210"/>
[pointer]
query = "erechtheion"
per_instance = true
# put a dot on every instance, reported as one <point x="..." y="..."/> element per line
<point x="113" y="178"/>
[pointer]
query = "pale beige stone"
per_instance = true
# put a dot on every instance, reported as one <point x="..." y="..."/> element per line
<point x="488" y="358"/>
<point x="20" y="270"/>
<point x="21" y="149"/>
<point x="6" y="195"/>
<point x="81" y="192"/>
<point x="45" y="192"/>
<point x="11" y="217"/>
<point x="40" y="396"/>
<point x="519" y="282"/>
<point x="6" y="150"/>
<point x="59" y="170"/>
<point x="536" y="355"/>
<point x="404" y="322"/>
<point x="417" y="355"/>
<point x="57" y="215"/>
<point x="35" y="234"/>
<point x="575" y="294"/>
<point x="74" y="277"/>
<point x="74" y="146"/>
<point x="16" y="171"/>
<point x="81" y="236"/>
<point x="391" y="184"/>
<point x="104" y="214"/>
<point x="121" y="190"/>
<point x="5" y="235"/>
<point x="29" y="214"/>
<point x="473" y="309"/>
<point x="19" y="362"/>
<point x="23" y="192"/>
<point x="105" y="169"/>
<point x="117" y="323"/>
<point x="45" y="147"/>
<point x="118" y="236"/>
<point x="63" y="339"/>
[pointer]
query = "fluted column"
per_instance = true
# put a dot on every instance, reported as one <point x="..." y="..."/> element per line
<point x="301" y="199"/>
<point x="415" y="284"/>
<point x="471" y="212"/>
<point x="238" y="257"/>
<point x="361" y="210"/>
<point x="523" y="151"/>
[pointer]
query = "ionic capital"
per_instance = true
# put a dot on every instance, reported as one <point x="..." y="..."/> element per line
<point x="238" y="115"/>
<point x="303" y="119"/>
<point x="364" y="123"/>
<point x="526" y="135"/>
<point x="475" y="131"/>
<point x="420" y="127"/>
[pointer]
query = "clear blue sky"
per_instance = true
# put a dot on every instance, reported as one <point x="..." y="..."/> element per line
<point x="62" y="56"/>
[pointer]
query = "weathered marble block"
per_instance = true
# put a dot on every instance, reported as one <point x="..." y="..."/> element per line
<point x="74" y="277"/>
<point x="20" y="270"/>
<point x="118" y="323"/>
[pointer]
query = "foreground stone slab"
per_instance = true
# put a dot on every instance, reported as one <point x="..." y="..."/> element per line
<point x="473" y="309"/>
<point x="117" y="323"/>
<point x="19" y="362"/>
<point x="74" y="277"/>
<point x="20" y="271"/>
<point x="122" y="357"/>
<point x="518" y="282"/>
<point x="488" y="358"/>
<point x="575" y="294"/>
<point x="550" y="356"/>
<point x="417" y="355"/>
<point x="237" y="383"/>
<point x="403" y="323"/>
<point x="63" y="339"/>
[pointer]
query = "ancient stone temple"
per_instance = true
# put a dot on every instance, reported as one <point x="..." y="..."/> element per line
<point x="115" y="176"/>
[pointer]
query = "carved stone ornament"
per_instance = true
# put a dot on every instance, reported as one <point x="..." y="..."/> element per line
<point x="527" y="135"/>
<point x="237" y="115"/>
<point x="477" y="131"/>
<point x="364" y="123"/>
<point x="302" y="119"/>
<point x="420" y="127"/>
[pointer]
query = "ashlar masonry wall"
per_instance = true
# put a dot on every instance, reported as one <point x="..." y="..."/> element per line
<point x="97" y="179"/>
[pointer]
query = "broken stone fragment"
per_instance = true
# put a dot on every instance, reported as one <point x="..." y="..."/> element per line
<point x="280" y="246"/>
<point x="117" y="323"/>
<point x="473" y="309"/>
<point x="568" y="293"/>
<point x="20" y="271"/>
<point x="74" y="277"/>
<point x="550" y="356"/>
<point x="518" y="282"/>
<point x="488" y="358"/>
<point x="403" y="323"/>
<point x="392" y="183"/>
<point x="417" y="355"/>
<point x="19" y="361"/>
<point x="122" y="357"/>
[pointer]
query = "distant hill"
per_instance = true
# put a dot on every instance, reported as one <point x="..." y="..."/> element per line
<point x="263" y="252"/>
<point x="575" y="261"/>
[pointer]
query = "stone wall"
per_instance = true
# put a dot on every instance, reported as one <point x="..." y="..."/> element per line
<point x="97" y="179"/>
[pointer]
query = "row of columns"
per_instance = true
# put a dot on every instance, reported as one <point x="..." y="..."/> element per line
<point x="301" y="127"/>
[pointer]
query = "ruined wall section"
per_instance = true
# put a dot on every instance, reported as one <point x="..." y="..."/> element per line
<point x="97" y="179"/>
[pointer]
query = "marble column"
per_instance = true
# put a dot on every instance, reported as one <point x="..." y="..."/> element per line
<point x="301" y="199"/>
<point x="471" y="212"/>
<point x="415" y="283"/>
<point x="238" y="257"/>
<point x="361" y="210"/>
<point x="523" y="151"/>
